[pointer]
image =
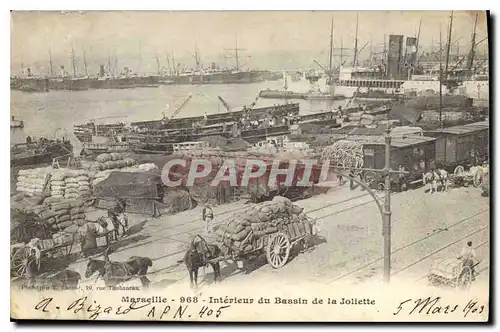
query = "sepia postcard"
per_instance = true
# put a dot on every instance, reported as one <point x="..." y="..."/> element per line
<point x="250" y="166"/>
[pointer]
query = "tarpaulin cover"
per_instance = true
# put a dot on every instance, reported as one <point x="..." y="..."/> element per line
<point x="129" y="185"/>
<point x="405" y="114"/>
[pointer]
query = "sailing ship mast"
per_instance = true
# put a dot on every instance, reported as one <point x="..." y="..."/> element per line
<point x="85" y="63"/>
<point x="73" y="62"/>
<point x="440" y="78"/>
<point x="356" y="42"/>
<point x="158" y="64"/>
<point x="236" y="54"/>
<point x="448" y="48"/>
<point x="330" y="69"/>
<point x="50" y="64"/>
<point x="418" y="40"/>
<point x="472" y="49"/>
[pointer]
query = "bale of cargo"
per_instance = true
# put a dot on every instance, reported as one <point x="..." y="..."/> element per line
<point x="103" y="157"/>
<point x="33" y="181"/>
<point x="243" y="229"/>
<point x="62" y="238"/>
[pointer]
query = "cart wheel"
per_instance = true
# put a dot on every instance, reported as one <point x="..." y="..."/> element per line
<point x="278" y="250"/>
<point x="478" y="178"/>
<point x="459" y="170"/>
<point x="464" y="280"/>
<point x="19" y="261"/>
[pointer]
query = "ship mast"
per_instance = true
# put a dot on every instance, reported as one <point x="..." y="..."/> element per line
<point x="109" y="65"/>
<point x="85" y="63"/>
<point x="472" y="49"/>
<point x="342" y="51"/>
<point x="440" y="78"/>
<point x="448" y="48"/>
<point x="50" y="64"/>
<point x="330" y="73"/>
<point x="236" y="53"/>
<point x="158" y="63"/>
<point x="73" y="62"/>
<point x="356" y="42"/>
<point x="418" y="40"/>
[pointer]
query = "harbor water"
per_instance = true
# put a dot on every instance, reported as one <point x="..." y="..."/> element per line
<point x="51" y="114"/>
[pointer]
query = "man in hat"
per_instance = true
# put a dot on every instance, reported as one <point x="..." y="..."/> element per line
<point x="468" y="258"/>
<point x="207" y="215"/>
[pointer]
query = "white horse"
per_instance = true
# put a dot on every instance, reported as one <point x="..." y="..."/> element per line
<point x="430" y="181"/>
<point x="442" y="180"/>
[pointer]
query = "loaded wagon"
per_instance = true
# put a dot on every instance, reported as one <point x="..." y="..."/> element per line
<point x="460" y="147"/>
<point x="274" y="237"/>
<point x="415" y="153"/>
<point x="450" y="272"/>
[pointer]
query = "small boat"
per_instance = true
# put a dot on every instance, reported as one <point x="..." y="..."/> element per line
<point x="38" y="153"/>
<point x="280" y="94"/>
<point x="16" y="123"/>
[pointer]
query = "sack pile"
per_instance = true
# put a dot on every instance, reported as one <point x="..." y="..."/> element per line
<point x="243" y="231"/>
<point x="33" y="181"/>
<point x="63" y="238"/>
<point x="70" y="184"/>
<point x="64" y="214"/>
<point x="77" y="185"/>
<point x="25" y="203"/>
<point x="113" y="160"/>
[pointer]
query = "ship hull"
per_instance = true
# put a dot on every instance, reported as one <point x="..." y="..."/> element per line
<point x="218" y="78"/>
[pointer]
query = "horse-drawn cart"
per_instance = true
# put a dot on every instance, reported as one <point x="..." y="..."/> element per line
<point x="474" y="176"/>
<point x="451" y="272"/>
<point x="49" y="258"/>
<point x="276" y="246"/>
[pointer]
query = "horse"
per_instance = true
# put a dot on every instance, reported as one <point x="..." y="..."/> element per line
<point x="114" y="273"/>
<point x="199" y="255"/>
<point x="442" y="180"/>
<point x="430" y="178"/>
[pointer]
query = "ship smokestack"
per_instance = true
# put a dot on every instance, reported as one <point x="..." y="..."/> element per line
<point x="101" y="71"/>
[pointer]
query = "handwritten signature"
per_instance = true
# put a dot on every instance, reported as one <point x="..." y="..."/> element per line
<point x="95" y="310"/>
<point x="435" y="306"/>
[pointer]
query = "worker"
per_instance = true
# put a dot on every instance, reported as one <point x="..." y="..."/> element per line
<point x="401" y="179"/>
<point x="207" y="215"/>
<point x="28" y="139"/>
<point x="468" y="258"/>
<point x="205" y="117"/>
<point x="88" y="236"/>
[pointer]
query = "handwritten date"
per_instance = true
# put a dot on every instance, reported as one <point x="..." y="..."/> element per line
<point x="95" y="310"/>
<point x="435" y="306"/>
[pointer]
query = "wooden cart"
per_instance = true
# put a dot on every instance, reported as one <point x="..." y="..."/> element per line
<point x="50" y="258"/>
<point x="276" y="246"/>
<point x="451" y="272"/>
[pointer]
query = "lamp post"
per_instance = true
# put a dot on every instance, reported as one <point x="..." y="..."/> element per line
<point x="387" y="206"/>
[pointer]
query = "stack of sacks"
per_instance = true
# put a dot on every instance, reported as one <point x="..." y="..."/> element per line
<point x="242" y="231"/>
<point x="33" y="181"/>
<point x="68" y="215"/>
<point x="62" y="238"/>
<point x="25" y="203"/>
<point x="113" y="160"/>
<point x="57" y="184"/>
<point x="77" y="185"/>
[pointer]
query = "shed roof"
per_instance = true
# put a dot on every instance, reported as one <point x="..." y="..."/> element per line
<point x="464" y="129"/>
<point x="395" y="142"/>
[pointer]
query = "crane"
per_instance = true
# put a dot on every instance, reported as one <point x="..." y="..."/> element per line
<point x="167" y="120"/>
<point x="223" y="102"/>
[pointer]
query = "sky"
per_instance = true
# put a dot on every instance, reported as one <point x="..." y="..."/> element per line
<point x="271" y="38"/>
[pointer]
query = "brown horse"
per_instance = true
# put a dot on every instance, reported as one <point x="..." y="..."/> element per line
<point x="199" y="255"/>
<point x="114" y="273"/>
